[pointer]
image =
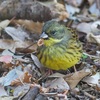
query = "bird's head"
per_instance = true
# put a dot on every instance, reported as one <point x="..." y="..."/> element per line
<point x="53" y="33"/>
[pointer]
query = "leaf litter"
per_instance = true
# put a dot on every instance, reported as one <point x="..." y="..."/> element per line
<point x="22" y="77"/>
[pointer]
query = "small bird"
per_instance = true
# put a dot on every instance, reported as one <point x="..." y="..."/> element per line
<point x="58" y="47"/>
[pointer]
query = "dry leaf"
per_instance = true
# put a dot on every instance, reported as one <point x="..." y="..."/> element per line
<point x="18" y="34"/>
<point x="32" y="93"/>
<point x="12" y="75"/>
<point x="25" y="78"/>
<point x="57" y="10"/>
<point x="34" y="27"/>
<point x="94" y="10"/>
<point x="36" y="61"/>
<point x="91" y="2"/>
<point x="18" y="46"/>
<point x="55" y="75"/>
<point x="73" y="79"/>
<point x="2" y="91"/>
<point x="84" y="27"/>
<point x="21" y="90"/>
<point x="63" y="15"/>
<point x="89" y="27"/>
<point x="92" y="80"/>
<point x="75" y="3"/>
<point x="59" y="83"/>
<point x="6" y="59"/>
<point x="4" y="24"/>
<point x="72" y="10"/>
<point x="93" y="39"/>
<point x="95" y="27"/>
<point x="7" y="98"/>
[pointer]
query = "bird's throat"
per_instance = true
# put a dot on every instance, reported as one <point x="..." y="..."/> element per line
<point x="51" y="41"/>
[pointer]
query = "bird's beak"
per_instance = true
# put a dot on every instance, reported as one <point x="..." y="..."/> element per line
<point x="44" y="35"/>
<point x="42" y="38"/>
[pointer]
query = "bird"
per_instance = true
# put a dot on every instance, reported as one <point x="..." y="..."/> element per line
<point x="58" y="47"/>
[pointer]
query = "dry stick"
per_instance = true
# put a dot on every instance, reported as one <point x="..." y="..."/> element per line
<point x="12" y="19"/>
<point x="24" y="48"/>
<point x="28" y="46"/>
<point x="89" y="95"/>
<point x="53" y="94"/>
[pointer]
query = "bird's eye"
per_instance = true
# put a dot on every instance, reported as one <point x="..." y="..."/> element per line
<point x="53" y="32"/>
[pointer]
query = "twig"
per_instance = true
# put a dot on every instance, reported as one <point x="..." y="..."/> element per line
<point x="89" y="95"/>
<point x="54" y="94"/>
<point x="23" y="49"/>
<point x="91" y="56"/>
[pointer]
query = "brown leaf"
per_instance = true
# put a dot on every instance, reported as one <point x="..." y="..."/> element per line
<point x="34" y="27"/>
<point x="73" y="79"/>
<point x="25" y="78"/>
<point x="17" y="45"/>
<point x="58" y="11"/>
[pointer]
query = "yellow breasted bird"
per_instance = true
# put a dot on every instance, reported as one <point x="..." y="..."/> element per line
<point x="59" y="47"/>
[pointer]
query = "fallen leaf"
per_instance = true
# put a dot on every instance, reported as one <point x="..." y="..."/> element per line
<point x="59" y="83"/>
<point x="21" y="90"/>
<point x="55" y="75"/>
<point x="4" y="24"/>
<point x="36" y="61"/>
<point x="2" y="91"/>
<point x="95" y="28"/>
<point x="92" y="80"/>
<point x="85" y="18"/>
<point x="63" y="15"/>
<point x="89" y="27"/>
<point x="93" y="39"/>
<point x="32" y="93"/>
<point x="73" y="79"/>
<point x="91" y="2"/>
<point x="34" y="27"/>
<point x="75" y="3"/>
<point x="17" y="45"/>
<point x="6" y="59"/>
<point x="27" y="77"/>
<point x="22" y="79"/>
<point x="58" y="10"/>
<point x="7" y="52"/>
<point x="18" y="34"/>
<point x="84" y="27"/>
<point x="72" y="10"/>
<point x="13" y="74"/>
<point x="94" y="10"/>
<point x="7" y="98"/>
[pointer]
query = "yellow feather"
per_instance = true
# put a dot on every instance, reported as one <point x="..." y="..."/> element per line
<point x="60" y="51"/>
